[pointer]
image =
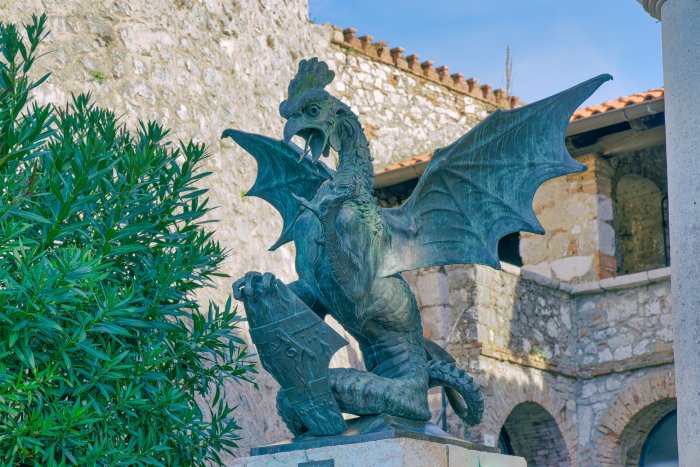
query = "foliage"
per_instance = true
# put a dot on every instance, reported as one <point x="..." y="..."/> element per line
<point x="104" y="352"/>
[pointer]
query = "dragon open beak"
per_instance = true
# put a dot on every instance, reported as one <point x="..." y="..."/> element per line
<point x="315" y="138"/>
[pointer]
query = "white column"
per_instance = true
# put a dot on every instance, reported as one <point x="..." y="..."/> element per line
<point x="680" y="33"/>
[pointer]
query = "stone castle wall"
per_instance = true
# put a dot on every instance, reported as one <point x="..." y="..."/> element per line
<point x="199" y="67"/>
<point x="576" y="212"/>
<point x="572" y="360"/>
<point x="405" y="110"/>
<point x="638" y="185"/>
<point x="202" y="66"/>
<point x="609" y="223"/>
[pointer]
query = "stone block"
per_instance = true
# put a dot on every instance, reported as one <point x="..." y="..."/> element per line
<point x="432" y="289"/>
<point x="659" y="274"/>
<point x="571" y="268"/>
<point x="397" y="452"/>
<point x="626" y="281"/>
<point x="540" y="273"/>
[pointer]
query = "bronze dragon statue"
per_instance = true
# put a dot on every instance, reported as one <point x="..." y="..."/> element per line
<point x="350" y="252"/>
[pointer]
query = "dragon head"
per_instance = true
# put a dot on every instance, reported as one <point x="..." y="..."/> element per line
<point x="310" y="111"/>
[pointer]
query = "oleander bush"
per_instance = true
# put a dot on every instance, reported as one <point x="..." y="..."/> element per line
<point x="104" y="350"/>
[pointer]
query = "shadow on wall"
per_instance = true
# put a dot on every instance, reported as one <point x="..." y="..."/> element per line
<point x="640" y="224"/>
<point x="639" y="184"/>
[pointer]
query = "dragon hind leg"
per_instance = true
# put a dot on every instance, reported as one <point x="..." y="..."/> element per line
<point x="364" y="393"/>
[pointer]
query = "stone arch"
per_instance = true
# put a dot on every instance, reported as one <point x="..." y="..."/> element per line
<point x="631" y="417"/>
<point x="637" y="430"/>
<point x="534" y="434"/>
<point x="638" y="224"/>
<point x="509" y="394"/>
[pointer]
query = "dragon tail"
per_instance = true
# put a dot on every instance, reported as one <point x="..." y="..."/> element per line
<point x="461" y="390"/>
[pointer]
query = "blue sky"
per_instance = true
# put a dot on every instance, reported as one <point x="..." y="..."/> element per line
<point x="554" y="43"/>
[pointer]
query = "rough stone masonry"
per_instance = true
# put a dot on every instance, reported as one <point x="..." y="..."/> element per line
<point x="590" y="357"/>
<point x="201" y="66"/>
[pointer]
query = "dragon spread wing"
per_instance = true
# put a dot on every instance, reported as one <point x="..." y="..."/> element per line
<point x="481" y="187"/>
<point x="281" y="174"/>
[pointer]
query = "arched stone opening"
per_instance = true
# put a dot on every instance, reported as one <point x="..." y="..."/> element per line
<point x="637" y="430"/>
<point x="622" y="431"/>
<point x="639" y="224"/>
<point x="533" y="433"/>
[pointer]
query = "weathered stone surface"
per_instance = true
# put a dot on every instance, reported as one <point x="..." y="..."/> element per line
<point x="527" y="340"/>
<point x="576" y="212"/>
<point x="639" y="219"/>
<point x="403" y="115"/>
<point x="200" y="67"/>
<point x="624" y="322"/>
<point x="401" y="452"/>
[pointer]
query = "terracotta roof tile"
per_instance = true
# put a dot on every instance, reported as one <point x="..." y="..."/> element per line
<point x="585" y="112"/>
<point x="620" y="103"/>
<point x="406" y="163"/>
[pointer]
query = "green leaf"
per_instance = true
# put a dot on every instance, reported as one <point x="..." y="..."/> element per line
<point x="92" y="351"/>
<point x="32" y="216"/>
<point x="106" y="357"/>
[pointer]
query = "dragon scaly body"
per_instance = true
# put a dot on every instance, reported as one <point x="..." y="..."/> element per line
<point x="350" y="252"/>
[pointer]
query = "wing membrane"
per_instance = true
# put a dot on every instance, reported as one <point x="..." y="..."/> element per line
<point x="480" y="188"/>
<point x="281" y="174"/>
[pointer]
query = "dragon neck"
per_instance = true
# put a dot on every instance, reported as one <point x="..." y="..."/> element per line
<point x="355" y="159"/>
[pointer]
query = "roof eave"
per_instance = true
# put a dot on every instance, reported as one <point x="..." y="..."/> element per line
<point x="402" y="174"/>
<point x="582" y="125"/>
<point x="612" y="117"/>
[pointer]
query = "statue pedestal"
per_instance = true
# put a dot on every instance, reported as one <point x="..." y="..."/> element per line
<point x="397" y="452"/>
<point x="380" y="441"/>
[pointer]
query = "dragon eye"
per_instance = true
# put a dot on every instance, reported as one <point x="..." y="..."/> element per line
<point x="313" y="110"/>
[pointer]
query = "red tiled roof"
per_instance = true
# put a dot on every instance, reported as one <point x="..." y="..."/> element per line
<point x="619" y="103"/>
<point x="407" y="163"/>
<point x="646" y="96"/>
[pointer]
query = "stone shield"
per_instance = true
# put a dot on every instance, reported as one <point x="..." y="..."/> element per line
<point x="295" y="346"/>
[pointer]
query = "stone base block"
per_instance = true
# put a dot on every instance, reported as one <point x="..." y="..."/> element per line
<point x="395" y="452"/>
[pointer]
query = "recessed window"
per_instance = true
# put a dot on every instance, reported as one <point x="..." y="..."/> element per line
<point x="661" y="446"/>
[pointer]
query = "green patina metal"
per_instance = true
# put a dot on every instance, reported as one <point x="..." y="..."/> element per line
<point x="351" y="252"/>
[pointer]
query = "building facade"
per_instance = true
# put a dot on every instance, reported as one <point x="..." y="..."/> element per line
<point x="572" y="344"/>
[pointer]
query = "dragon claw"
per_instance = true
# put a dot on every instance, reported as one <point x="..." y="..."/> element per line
<point x="266" y="281"/>
<point x="253" y="285"/>
<point x="305" y="203"/>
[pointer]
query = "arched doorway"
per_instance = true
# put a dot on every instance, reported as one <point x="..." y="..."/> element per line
<point x="651" y="431"/>
<point x="531" y="432"/>
<point x="621" y="433"/>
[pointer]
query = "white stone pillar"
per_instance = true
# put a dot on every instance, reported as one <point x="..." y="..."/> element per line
<point x="680" y="33"/>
